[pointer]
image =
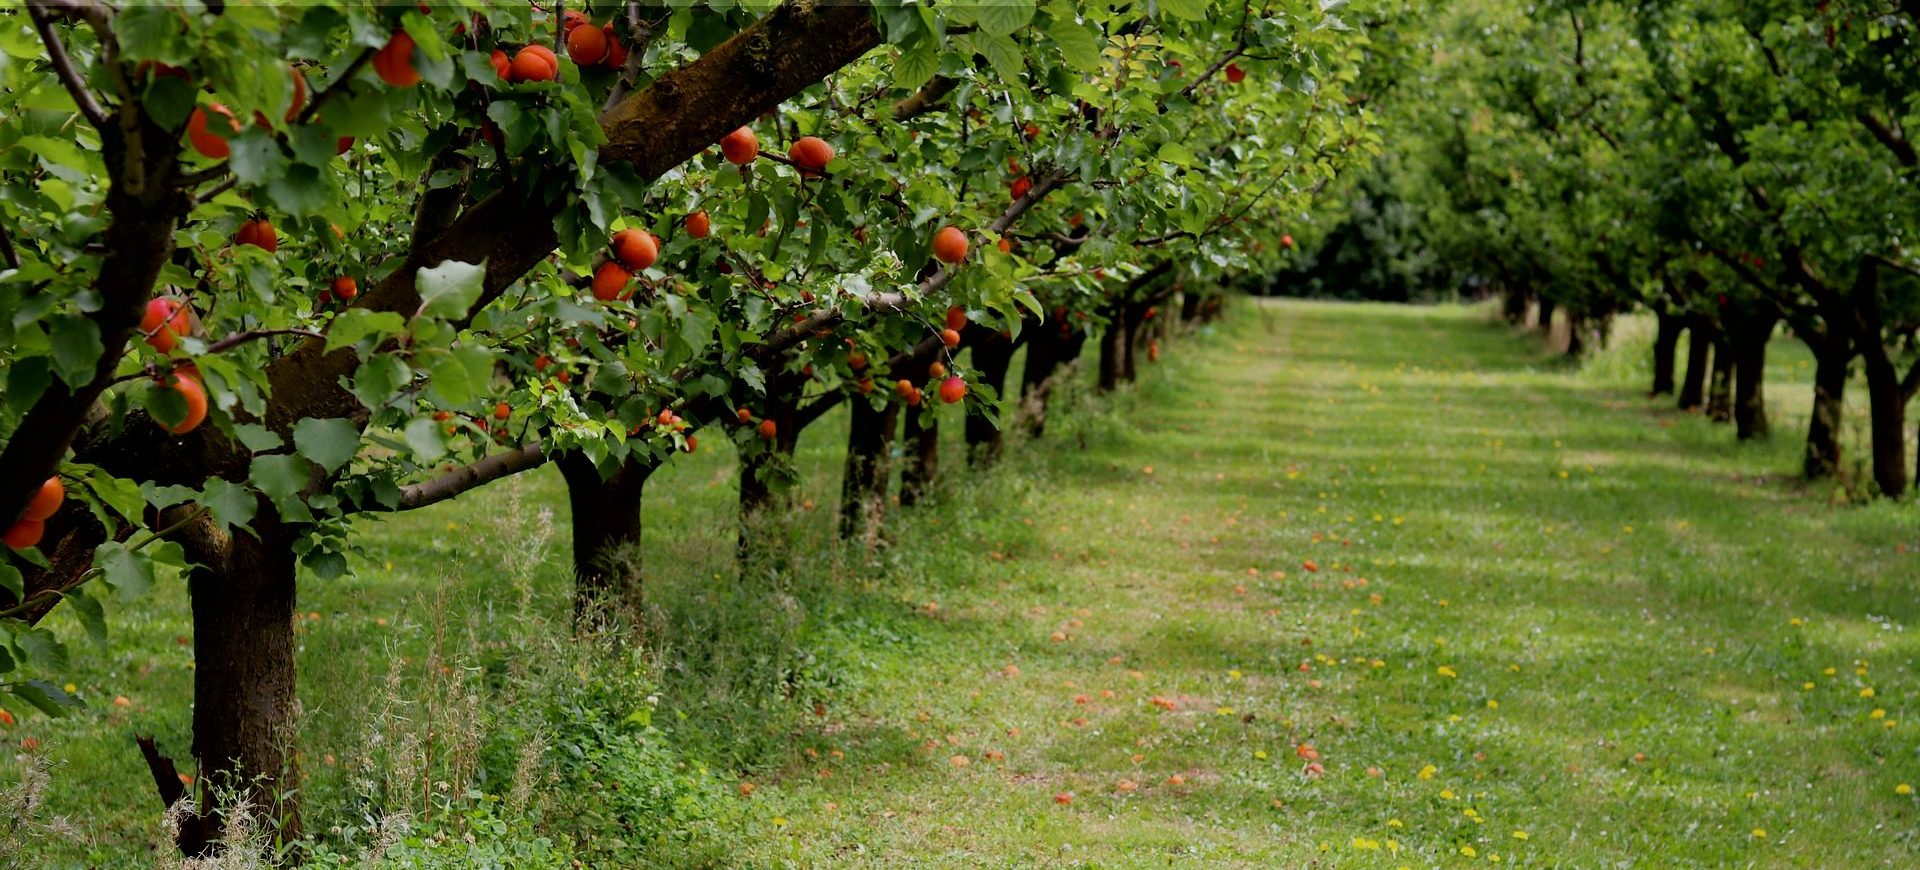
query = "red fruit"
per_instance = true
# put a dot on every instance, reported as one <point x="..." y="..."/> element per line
<point x="956" y="317"/>
<point x="163" y="324"/>
<point x="744" y="415"/>
<point x="208" y="142"/>
<point x="610" y="282"/>
<point x="950" y="245"/>
<point x="698" y="225"/>
<point x="953" y="390"/>
<point x="345" y="288"/>
<point x="1032" y="131"/>
<point x="442" y="416"/>
<point x="299" y="95"/>
<point x="856" y="360"/>
<point x="1153" y="351"/>
<point x="258" y="233"/>
<point x="1286" y="241"/>
<point x="913" y="398"/>
<point x="586" y="45"/>
<point x="936" y="370"/>
<point x="740" y="146"/>
<point x="501" y="64"/>
<point x="565" y="377"/>
<point x="1006" y="247"/>
<point x="46" y="501"/>
<point x="342" y="144"/>
<point x="540" y="364"/>
<point x="811" y="154"/>
<point x="616" y="53"/>
<point x="768" y="429"/>
<point x="635" y="249"/>
<point x="904" y="387"/>
<point x="950" y="337"/>
<point x="1235" y="74"/>
<point x="196" y="398"/>
<point x="535" y="63"/>
<point x="865" y="386"/>
<point x="573" y="19"/>
<point x="1021" y="185"/>
<point x="501" y="411"/>
<point x="24" y="534"/>
<point x="692" y="445"/>
<point x="394" y="61"/>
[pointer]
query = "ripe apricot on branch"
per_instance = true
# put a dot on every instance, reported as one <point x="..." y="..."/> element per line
<point x="1235" y="74"/>
<point x="501" y="64"/>
<point x="811" y="154"/>
<point x="953" y="390"/>
<point x="501" y="410"/>
<point x="587" y="45"/>
<point x="740" y="146"/>
<point x="950" y="337"/>
<point x="698" y="225"/>
<point x="394" y="61"/>
<point x="163" y="324"/>
<point x="46" y="500"/>
<point x="956" y="317"/>
<point x="610" y="281"/>
<point x="635" y="249"/>
<point x="950" y="245"/>
<point x="196" y="399"/>
<point x="856" y="360"/>
<point x="768" y="429"/>
<point x="24" y="534"/>
<point x="211" y="144"/>
<point x="535" y="63"/>
<point x="258" y="233"/>
<point x="345" y="288"/>
<point x="936" y="369"/>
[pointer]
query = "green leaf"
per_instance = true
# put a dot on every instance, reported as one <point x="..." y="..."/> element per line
<point x="450" y="289"/>
<point x="59" y="152"/>
<point x="1191" y="10"/>
<point x="331" y="442"/>
<point x="76" y="348"/>
<point x="1176" y="153"/>
<point x="92" y="616"/>
<point x="355" y="324"/>
<point x="49" y="698"/>
<point x="257" y="437"/>
<point x="1005" y="55"/>
<point x="452" y="379"/>
<point x="129" y="572"/>
<point x="1076" y="43"/>
<point x="916" y="66"/>
<point x="424" y="437"/>
<point x="12" y="581"/>
<point x="300" y="190"/>
<point x="122" y="495"/>
<point x="379" y="378"/>
<point x="41" y="649"/>
<point x="232" y="504"/>
<point x="255" y="157"/>
<point x="281" y="477"/>
<point x="27" y="379"/>
<point x="1003" y="17"/>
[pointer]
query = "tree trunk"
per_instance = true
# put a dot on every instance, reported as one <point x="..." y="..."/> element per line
<point x="1045" y="344"/>
<point x="1513" y="304"/>
<point x="1666" y="344"/>
<point x="992" y="356"/>
<point x="1888" y="426"/>
<point x="1829" y="397"/>
<point x="863" y="487"/>
<point x="243" y="677"/>
<point x="1113" y="352"/>
<point x="1750" y="364"/>
<point x="1720" y="391"/>
<point x="1545" y="323"/>
<point x="766" y="468"/>
<point x="920" y="431"/>
<point x="1190" y="306"/>
<point x="606" y="531"/>
<point x="1135" y="317"/>
<point x="1701" y="333"/>
<point x="1576" y="335"/>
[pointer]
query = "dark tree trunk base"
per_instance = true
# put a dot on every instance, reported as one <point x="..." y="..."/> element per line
<point x="606" y="533"/>
<point x="1666" y="345"/>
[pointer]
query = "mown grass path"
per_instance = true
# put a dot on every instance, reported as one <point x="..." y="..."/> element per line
<point x="1512" y="614"/>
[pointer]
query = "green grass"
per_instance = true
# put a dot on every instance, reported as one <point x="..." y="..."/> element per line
<point x="1588" y="619"/>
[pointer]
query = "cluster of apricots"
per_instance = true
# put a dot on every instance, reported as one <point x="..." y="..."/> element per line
<point x="162" y="326"/>
<point x="26" y="531"/>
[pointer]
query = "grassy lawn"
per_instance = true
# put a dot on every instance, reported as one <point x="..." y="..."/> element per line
<point x="1512" y="611"/>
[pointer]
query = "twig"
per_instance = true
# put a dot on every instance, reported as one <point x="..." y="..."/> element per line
<point x="339" y="83"/>
<point x="240" y="338"/>
<point x="63" y="67"/>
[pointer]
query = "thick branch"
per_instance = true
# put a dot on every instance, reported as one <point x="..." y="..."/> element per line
<point x="1901" y="147"/>
<point x="922" y="101"/>
<point x="523" y="458"/>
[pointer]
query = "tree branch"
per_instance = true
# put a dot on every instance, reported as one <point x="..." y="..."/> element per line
<point x="435" y="490"/>
<point x="63" y="67"/>
<point x="922" y="101"/>
<point x="240" y="338"/>
<point x="1901" y="147"/>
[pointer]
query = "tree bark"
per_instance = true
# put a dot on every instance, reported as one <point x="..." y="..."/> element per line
<point x="1702" y="333"/>
<point x="1513" y="304"/>
<point x="1134" y="318"/>
<point x="992" y="355"/>
<point x="606" y="531"/>
<point x="1829" y="397"/>
<point x="1666" y="344"/>
<point x="243" y="678"/>
<point x="1888" y="424"/>
<point x="1190" y="307"/>
<point x="864" y="485"/>
<point x="1113" y="350"/>
<point x="1545" y="322"/>
<point x="1045" y="344"/>
<point x="1750" y="364"/>
<point x="1576" y="335"/>
<point x="1720" y="390"/>
<point x="766" y="467"/>
<point x="920" y="430"/>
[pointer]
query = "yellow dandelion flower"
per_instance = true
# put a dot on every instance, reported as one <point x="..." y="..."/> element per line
<point x="1563" y="474"/>
<point x="1808" y="685"/>
<point x="1493" y="704"/>
<point x="1447" y="671"/>
<point x="1260" y="754"/>
<point x="1828" y="672"/>
<point x="1446" y="794"/>
<point x="1759" y="833"/>
<point x="1877" y="714"/>
<point x="1233" y="675"/>
<point x="1890" y="723"/>
<point x="1903" y="789"/>
<point x="1796" y="622"/>
<point x="1223" y="711"/>
<point x="1427" y="772"/>
<point x="1469" y="851"/>
<point x="1866" y="692"/>
<point x="1522" y="836"/>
